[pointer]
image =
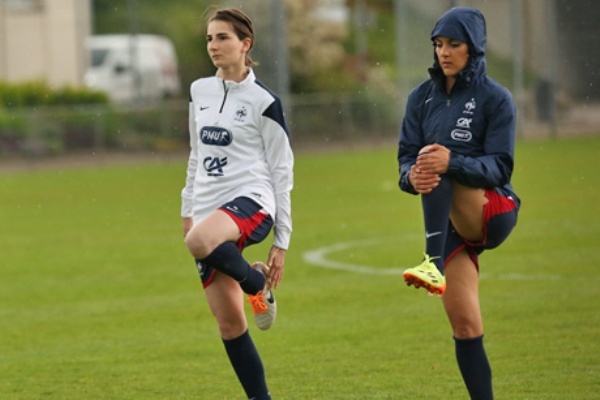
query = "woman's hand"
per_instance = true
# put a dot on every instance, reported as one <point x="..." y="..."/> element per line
<point x="276" y="262"/>
<point x="432" y="161"/>
<point x="422" y="182"/>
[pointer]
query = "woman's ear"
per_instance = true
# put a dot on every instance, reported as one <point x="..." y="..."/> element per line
<point x="247" y="44"/>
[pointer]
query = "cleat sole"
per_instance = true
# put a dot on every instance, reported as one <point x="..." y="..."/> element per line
<point x="418" y="283"/>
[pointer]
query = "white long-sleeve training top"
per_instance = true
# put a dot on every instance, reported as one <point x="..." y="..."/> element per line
<point x="239" y="147"/>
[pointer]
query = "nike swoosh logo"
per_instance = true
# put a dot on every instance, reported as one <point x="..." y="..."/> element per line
<point x="432" y="234"/>
<point x="204" y="108"/>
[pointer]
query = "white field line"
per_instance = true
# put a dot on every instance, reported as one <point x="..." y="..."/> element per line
<point x="320" y="258"/>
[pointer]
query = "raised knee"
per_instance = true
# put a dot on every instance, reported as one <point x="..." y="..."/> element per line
<point x="196" y="245"/>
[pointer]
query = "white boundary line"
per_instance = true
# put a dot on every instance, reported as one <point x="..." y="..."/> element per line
<point x="319" y="258"/>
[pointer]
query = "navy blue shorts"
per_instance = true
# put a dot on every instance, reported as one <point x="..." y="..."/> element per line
<point x="499" y="219"/>
<point x="254" y="224"/>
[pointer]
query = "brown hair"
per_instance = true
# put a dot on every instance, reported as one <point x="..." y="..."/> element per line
<point x="241" y="24"/>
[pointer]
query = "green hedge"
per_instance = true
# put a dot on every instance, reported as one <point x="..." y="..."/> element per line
<point x="22" y="131"/>
<point x="39" y="93"/>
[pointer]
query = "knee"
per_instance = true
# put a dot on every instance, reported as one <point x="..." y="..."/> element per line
<point x="197" y="245"/>
<point x="231" y="328"/>
<point x="465" y="323"/>
<point x="192" y="242"/>
<point x="465" y="328"/>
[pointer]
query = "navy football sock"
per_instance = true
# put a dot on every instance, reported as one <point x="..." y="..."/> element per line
<point x="248" y="366"/>
<point x="228" y="259"/>
<point x="436" y="213"/>
<point x="474" y="367"/>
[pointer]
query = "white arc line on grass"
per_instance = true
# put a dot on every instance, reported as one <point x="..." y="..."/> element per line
<point x="318" y="257"/>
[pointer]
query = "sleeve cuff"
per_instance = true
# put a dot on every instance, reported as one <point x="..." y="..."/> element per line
<point x="282" y="238"/>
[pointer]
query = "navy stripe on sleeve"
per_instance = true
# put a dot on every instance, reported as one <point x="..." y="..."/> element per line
<point x="275" y="110"/>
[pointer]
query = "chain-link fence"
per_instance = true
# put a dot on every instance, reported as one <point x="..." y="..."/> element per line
<point x="314" y="121"/>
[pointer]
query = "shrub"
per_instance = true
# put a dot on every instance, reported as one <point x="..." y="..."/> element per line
<point x="39" y="93"/>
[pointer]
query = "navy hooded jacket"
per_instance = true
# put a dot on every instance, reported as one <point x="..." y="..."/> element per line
<point x="476" y="120"/>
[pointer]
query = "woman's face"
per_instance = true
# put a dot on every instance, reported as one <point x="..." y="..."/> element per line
<point x="452" y="55"/>
<point x="225" y="49"/>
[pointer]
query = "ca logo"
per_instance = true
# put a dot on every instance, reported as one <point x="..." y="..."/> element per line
<point x="214" y="165"/>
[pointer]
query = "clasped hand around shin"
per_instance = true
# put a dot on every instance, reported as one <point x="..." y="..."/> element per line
<point x="432" y="161"/>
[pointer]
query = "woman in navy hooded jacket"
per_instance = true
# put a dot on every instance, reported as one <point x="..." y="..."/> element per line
<point x="457" y="150"/>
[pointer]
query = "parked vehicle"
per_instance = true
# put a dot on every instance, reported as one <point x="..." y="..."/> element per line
<point x="132" y="68"/>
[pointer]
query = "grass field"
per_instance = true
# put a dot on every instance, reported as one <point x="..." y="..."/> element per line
<point x="99" y="299"/>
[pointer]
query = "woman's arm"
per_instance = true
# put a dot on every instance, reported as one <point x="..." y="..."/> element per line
<point x="187" y="193"/>
<point x="280" y="160"/>
<point x="411" y="140"/>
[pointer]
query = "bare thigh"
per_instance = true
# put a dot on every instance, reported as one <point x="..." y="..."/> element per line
<point x="207" y="234"/>
<point x="461" y="299"/>
<point x="226" y="301"/>
<point x="467" y="211"/>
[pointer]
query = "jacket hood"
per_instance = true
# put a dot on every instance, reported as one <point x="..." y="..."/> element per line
<point x="467" y="25"/>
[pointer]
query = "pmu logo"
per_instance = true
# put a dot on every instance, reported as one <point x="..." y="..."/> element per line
<point x="461" y="135"/>
<point x="215" y="136"/>
<point x="214" y="165"/>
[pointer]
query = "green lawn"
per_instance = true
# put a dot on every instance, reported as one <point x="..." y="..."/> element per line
<point x="99" y="299"/>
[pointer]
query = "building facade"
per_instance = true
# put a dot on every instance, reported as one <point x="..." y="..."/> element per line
<point x="44" y="40"/>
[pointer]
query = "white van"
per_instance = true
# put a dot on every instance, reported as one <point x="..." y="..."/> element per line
<point x="131" y="68"/>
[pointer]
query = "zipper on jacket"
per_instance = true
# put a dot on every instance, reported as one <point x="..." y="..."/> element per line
<point x="224" y="97"/>
<point x="448" y="101"/>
